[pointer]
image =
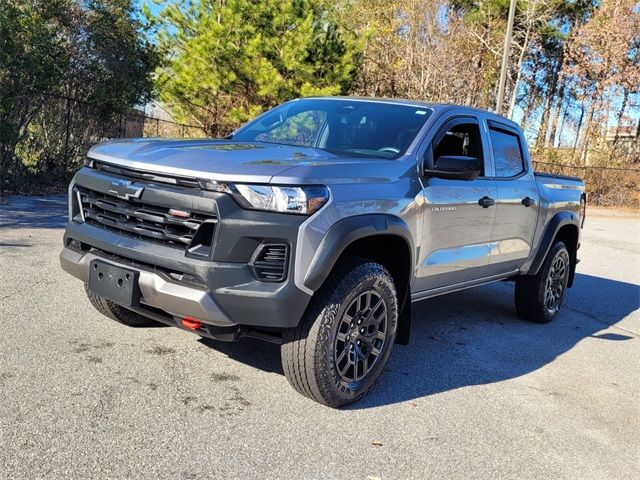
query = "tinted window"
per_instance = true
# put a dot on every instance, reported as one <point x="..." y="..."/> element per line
<point x="507" y="153"/>
<point x="461" y="140"/>
<point x="345" y="127"/>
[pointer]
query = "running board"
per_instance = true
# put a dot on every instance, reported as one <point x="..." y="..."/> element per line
<point x="434" y="292"/>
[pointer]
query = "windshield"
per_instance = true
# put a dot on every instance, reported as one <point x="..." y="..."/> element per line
<point x="345" y="127"/>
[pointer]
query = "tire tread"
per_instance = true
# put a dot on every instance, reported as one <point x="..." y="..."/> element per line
<point x="304" y="349"/>
<point x="529" y="290"/>
<point x="114" y="311"/>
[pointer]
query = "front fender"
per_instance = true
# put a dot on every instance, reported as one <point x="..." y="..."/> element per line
<point x="345" y="232"/>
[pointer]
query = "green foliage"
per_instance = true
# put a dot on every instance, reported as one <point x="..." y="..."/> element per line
<point x="115" y="59"/>
<point x="301" y="129"/>
<point x="67" y="67"/>
<point x="32" y="60"/>
<point x="229" y="60"/>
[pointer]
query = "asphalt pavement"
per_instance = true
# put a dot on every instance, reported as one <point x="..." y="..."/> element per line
<point x="478" y="393"/>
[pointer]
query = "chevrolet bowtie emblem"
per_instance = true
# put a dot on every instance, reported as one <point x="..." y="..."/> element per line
<point x="125" y="189"/>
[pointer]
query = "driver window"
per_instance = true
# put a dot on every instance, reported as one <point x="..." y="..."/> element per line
<point x="461" y="140"/>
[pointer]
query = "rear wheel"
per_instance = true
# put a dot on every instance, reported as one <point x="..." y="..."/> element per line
<point x="539" y="297"/>
<point x="115" y="311"/>
<point x="340" y="348"/>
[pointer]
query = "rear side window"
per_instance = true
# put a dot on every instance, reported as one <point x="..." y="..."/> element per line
<point x="507" y="153"/>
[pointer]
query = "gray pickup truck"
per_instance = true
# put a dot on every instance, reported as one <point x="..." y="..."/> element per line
<point x="316" y="226"/>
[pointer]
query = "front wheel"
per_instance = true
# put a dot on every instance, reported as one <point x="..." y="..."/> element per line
<point x="539" y="297"/>
<point x="340" y="348"/>
<point x="115" y="311"/>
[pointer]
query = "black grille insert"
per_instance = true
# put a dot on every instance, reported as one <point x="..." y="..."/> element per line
<point x="141" y="220"/>
<point x="148" y="176"/>
<point x="270" y="262"/>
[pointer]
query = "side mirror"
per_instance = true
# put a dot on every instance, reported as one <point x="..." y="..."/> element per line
<point x="455" y="167"/>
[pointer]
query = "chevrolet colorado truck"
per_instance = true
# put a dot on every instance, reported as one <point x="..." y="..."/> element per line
<point x="316" y="225"/>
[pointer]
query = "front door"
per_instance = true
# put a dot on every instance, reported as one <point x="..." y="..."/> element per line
<point x="456" y="233"/>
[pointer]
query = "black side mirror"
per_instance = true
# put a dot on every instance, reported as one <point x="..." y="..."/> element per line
<point x="456" y="167"/>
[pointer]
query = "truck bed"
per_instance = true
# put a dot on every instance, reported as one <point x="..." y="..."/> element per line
<point x="558" y="177"/>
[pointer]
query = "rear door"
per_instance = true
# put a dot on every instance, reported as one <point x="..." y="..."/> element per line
<point x="517" y="206"/>
<point x="456" y="231"/>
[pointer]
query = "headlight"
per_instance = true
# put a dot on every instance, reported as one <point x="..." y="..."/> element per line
<point x="304" y="200"/>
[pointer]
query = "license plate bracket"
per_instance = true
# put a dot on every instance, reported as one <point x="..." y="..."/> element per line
<point x="114" y="283"/>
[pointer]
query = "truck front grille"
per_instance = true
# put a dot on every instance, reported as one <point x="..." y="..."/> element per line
<point x="149" y="177"/>
<point x="142" y="220"/>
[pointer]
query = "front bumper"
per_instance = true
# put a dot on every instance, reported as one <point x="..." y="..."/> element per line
<point x="221" y="289"/>
<point x="175" y="299"/>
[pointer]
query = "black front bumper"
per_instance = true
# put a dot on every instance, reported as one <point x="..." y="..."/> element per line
<point x="220" y="288"/>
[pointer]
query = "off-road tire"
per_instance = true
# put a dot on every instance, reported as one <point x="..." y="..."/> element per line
<point x="530" y="290"/>
<point x="115" y="311"/>
<point x="309" y="351"/>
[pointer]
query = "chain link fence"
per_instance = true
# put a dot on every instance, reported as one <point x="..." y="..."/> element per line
<point x="136" y="124"/>
<point x="60" y="136"/>
<point x="55" y="144"/>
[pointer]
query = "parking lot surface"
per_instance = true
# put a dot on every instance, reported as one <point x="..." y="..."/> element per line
<point x="478" y="393"/>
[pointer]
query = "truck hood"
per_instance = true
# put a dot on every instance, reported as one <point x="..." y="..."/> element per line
<point x="228" y="161"/>
<point x="210" y="159"/>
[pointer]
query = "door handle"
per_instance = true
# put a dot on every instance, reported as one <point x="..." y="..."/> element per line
<point x="486" y="202"/>
<point x="527" y="201"/>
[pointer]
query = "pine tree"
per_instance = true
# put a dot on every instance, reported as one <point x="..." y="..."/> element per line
<point x="231" y="59"/>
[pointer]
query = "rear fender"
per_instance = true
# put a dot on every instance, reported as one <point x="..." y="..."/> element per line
<point x="559" y="220"/>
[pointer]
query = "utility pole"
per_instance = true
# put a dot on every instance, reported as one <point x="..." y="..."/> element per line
<point x="505" y="57"/>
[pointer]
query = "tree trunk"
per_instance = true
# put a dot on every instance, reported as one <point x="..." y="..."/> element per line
<point x="6" y="158"/>
<point x="541" y="138"/>
<point x="527" y="111"/>
<point x="514" y="93"/>
<point x="563" y="121"/>
<point x="556" y="113"/>
<point x="67" y="136"/>
<point x="584" y="143"/>
<point x="575" y="140"/>
<point x="561" y="88"/>
<point x="471" y="91"/>
<point x="625" y="100"/>
<point x="2" y="165"/>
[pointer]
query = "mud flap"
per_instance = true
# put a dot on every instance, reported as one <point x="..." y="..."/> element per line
<point x="403" y="332"/>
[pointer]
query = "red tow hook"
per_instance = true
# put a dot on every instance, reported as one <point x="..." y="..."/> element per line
<point x="191" y="323"/>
